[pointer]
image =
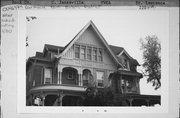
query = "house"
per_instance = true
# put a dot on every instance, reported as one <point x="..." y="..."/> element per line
<point x="59" y="76"/>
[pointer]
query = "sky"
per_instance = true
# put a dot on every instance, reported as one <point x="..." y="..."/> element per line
<point x="122" y="28"/>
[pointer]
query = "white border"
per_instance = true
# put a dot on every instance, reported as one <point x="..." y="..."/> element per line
<point x="21" y="87"/>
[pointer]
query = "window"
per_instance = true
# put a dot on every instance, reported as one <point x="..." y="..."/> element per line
<point x="70" y="75"/>
<point x="100" y="55"/>
<point x="48" y="76"/>
<point x="77" y="51"/>
<point x="94" y="54"/>
<point x="33" y="83"/>
<point x="100" y="76"/>
<point x="83" y="52"/>
<point x="86" y="77"/>
<point x="126" y="85"/>
<point x="126" y="65"/>
<point x="89" y="53"/>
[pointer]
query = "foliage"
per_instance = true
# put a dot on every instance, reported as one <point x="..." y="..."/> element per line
<point x="97" y="97"/>
<point x="152" y="61"/>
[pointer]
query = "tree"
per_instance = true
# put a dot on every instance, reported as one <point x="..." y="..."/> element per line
<point x="152" y="61"/>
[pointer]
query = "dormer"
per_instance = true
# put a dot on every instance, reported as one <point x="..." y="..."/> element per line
<point x="124" y="59"/>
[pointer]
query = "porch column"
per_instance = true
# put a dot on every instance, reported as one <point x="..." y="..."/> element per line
<point x="120" y="85"/>
<point x="130" y="102"/>
<point x="80" y="80"/>
<point x="59" y="75"/>
<point x="32" y="100"/>
<point x="61" y="95"/>
<point x="125" y="86"/>
<point x="43" y="99"/>
<point x="147" y="100"/>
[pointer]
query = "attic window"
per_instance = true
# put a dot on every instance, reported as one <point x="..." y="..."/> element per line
<point x="89" y="53"/>
<point x="100" y="55"/>
<point x="94" y="54"/>
<point x="83" y="50"/>
<point x="77" y="51"/>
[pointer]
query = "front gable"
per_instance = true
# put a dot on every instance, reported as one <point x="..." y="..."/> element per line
<point x="124" y="58"/>
<point x="90" y="38"/>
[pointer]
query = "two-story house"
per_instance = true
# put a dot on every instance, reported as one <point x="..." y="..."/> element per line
<point x="60" y="75"/>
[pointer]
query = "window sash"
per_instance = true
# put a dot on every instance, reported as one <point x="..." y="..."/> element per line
<point x="94" y="54"/>
<point x="89" y="53"/>
<point x="83" y="52"/>
<point x="100" y="55"/>
<point x="70" y="75"/>
<point x="77" y="51"/>
<point x="48" y="76"/>
<point x="100" y="78"/>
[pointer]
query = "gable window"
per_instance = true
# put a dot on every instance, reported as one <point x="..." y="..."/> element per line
<point x="83" y="52"/>
<point x="94" y="54"/>
<point x="100" y="78"/>
<point x="100" y="55"/>
<point x="89" y="53"/>
<point x="77" y="51"/>
<point x="47" y="76"/>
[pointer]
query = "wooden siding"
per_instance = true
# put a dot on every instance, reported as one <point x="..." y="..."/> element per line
<point x="89" y="38"/>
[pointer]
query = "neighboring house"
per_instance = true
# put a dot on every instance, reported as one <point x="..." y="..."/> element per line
<point x="60" y="75"/>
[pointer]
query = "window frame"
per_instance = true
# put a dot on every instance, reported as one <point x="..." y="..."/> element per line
<point x="102" y="78"/>
<point x="94" y="54"/>
<point x="89" y="53"/>
<point x="69" y="72"/>
<point x="47" y="77"/>
<point x="100" y="55"/>
<point x="78" y="52"/>
<point x="83" y="55"/>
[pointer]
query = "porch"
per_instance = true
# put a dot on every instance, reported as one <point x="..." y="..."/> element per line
<point x="55" y="95"/>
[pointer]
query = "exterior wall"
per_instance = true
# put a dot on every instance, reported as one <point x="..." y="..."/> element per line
<point x="36" y="74"/>
<point x="89" y="38"/>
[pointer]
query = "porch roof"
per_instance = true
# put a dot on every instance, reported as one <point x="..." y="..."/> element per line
<point x="141" y="96"/>
<point x="58" y="87"/>
<point x="129" y="73"/>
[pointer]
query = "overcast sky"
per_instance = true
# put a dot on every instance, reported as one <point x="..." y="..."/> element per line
<point x="122" y="28"/>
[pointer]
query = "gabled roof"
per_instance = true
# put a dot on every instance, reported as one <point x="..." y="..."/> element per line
<point x="39" y="54"/>
<point x="116" y="49"/>
<point x="124" y="52"/>
<point x="53" y="48"/>
<point x="90" y="23"/>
